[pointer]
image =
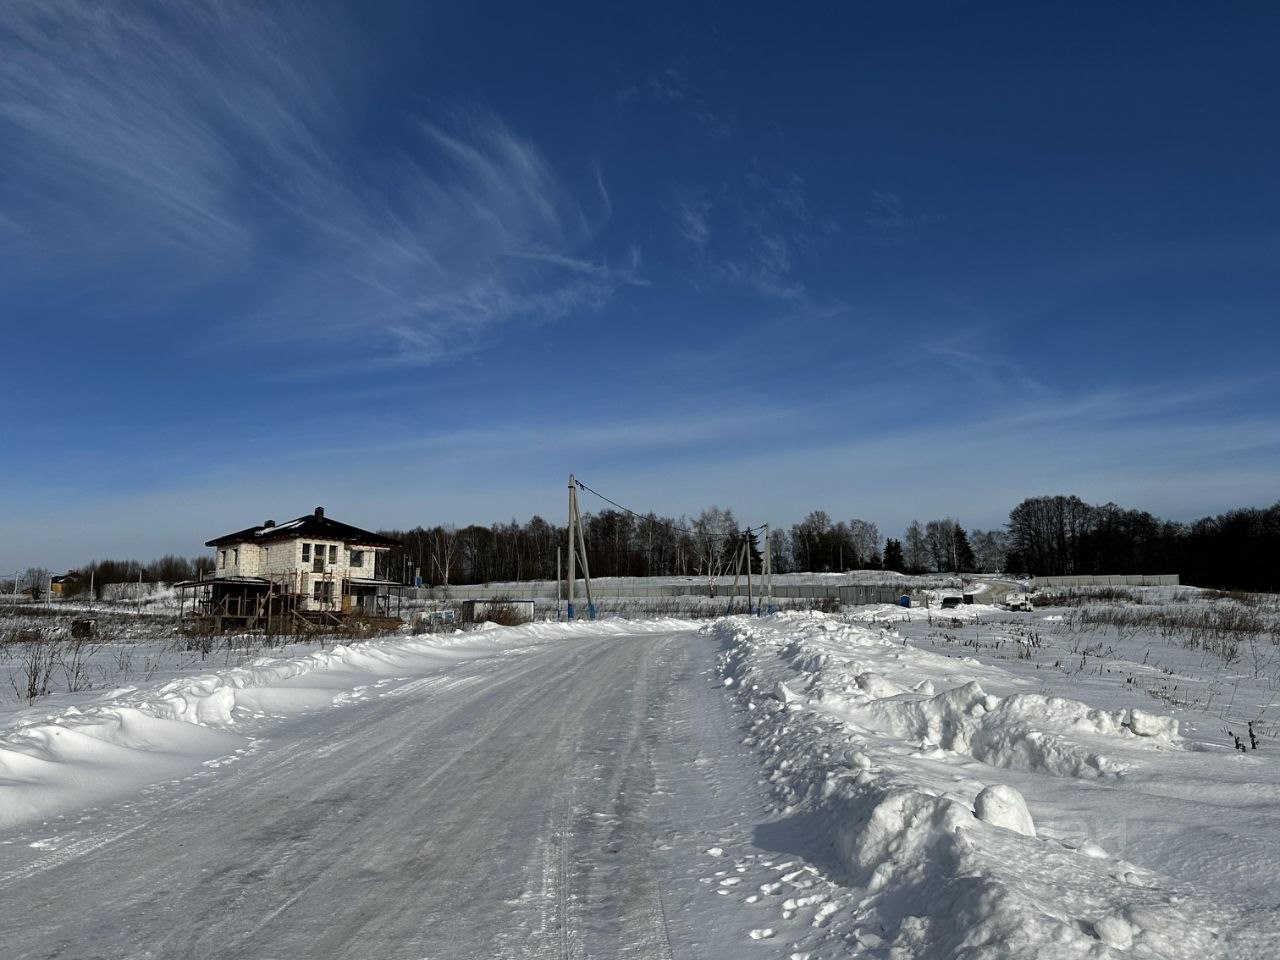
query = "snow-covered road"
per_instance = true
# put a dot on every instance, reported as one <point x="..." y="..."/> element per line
<point x="576" y="798"/>
<point x="796" y="786"/>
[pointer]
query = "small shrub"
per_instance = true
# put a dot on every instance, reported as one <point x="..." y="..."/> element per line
<point x="1080" y="596"/>
<point x="36" y="661"/>
<point x="504" y="614"/>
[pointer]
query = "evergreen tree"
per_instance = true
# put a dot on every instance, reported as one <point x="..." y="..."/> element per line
<point x="965" y="560"/>
<point x="893" y="559"/>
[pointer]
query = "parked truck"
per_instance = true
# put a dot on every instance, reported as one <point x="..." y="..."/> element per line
<point x="1014" y="600"/>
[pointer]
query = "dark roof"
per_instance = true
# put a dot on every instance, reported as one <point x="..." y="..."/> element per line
<point x="313" y="526"/>
<point x="224" y="581"/>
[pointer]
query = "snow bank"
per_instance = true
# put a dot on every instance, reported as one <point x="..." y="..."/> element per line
<point x="1033" y="732"/>
<point x="942" y="858"/>
<point x="1003" y="806"/>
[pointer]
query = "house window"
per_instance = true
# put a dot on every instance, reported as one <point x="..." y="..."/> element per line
<point x="235" y="556"/>
<point x="357" y="558"/>
<point x="322" y="590"/>
<point x="222" y="558"/>
<point x="306" y="552"/>
<point x="333" y="553"/>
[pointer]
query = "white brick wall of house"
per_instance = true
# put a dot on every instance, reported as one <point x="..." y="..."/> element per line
<point x="313" y="567"/>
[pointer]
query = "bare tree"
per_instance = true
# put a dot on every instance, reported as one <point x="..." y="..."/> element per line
<point x="780" y="558"/>
<point x="35" y="582"/>
<point x="866" y="541"/>
<point x="443" y="543"/>
<point x="1048" y="533"/>
<point x="714" y="534"/>
<point x="940" y="536"/>
<point x="808" y="540"/>
<point x="989" y="549"/>
<point x="915" y="549"/>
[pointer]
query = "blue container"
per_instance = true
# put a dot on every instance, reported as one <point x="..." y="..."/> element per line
<point x="904" y="601"/>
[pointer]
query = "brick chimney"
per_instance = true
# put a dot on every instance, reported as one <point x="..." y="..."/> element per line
<point x="269" y="523"/>
<point x="319" y="513"/>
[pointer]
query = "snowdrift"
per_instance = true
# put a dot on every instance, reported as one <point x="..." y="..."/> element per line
<point x="906" y="761"/>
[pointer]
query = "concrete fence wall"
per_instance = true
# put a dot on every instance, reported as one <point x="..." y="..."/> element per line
<point x="131" y="590"/>
<point x="1118" y="580"/>
<point x="850" y="593"/>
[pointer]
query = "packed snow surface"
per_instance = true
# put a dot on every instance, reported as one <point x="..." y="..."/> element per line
<point x="61" y="762"/>
<point x="569" y="791"/>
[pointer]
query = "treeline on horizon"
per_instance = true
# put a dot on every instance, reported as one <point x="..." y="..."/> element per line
<point x="1045" y="536"/>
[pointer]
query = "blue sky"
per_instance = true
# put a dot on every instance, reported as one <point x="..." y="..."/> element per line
<point x="418" y="263"/>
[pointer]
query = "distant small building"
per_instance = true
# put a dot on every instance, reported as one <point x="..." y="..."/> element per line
<point x="65" y="586"/>
<point x="309" y="570"/>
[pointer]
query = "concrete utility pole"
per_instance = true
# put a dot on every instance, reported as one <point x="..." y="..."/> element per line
<point x="766" y="575"/>
<point x="742" y="552"/>
<point x="573" y="509"/>
<point x="577" y="543"/>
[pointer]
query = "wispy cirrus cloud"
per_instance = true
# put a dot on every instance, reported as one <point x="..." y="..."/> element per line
<point x="469" y="230"/>
<point x="891" y="222"/>
<point x="670" y="86"/>
<point x="223" y="137"/>
<point x="767" y="228"/>
<point x="692" y="210"/>
<point x="971" y="355"/>
<point x="132" y="124"/>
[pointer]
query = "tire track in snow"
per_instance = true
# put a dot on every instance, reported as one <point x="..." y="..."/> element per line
<point x="65" y="854"/>
<point x="617" y="825"/>
<point x="469" y="807"/>
<point x="139" y="811"/>
<point x="434" y="684"/>
<point x="468" y="821"/>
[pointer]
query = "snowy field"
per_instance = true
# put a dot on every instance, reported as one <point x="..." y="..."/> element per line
<point x="1095" y="777"/>
<point x="1058" y="783"/>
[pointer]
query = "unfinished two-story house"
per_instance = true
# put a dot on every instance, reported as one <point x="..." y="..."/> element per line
<point x="311" y="571"/>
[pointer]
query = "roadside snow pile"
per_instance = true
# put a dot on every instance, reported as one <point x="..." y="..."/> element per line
<point x="918" y="776"/>
<point x="56" y="763"/>
<point x="1003" y="806"/>
<point x="1024" y="731"/>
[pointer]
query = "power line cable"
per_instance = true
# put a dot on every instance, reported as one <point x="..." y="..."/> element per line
<point x="651" y="518"/>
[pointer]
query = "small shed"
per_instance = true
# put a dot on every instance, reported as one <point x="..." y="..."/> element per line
<point x="505" y="612"/>
<point x="65" y="585"/>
